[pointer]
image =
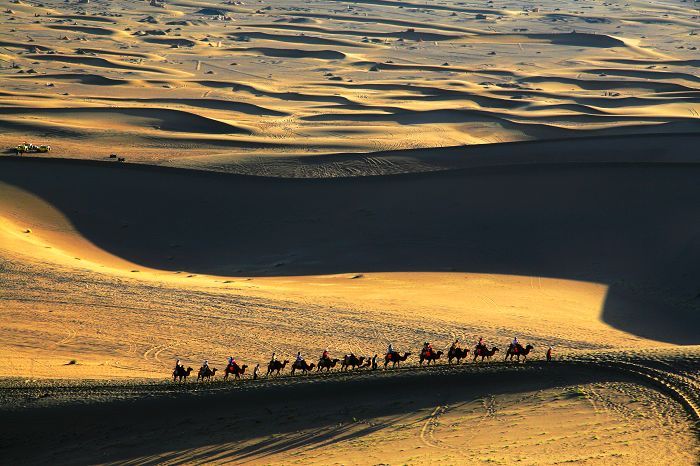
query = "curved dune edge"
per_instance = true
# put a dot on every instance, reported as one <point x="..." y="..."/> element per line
<point x="564" y="403"/>
<point x="568" y="313"/>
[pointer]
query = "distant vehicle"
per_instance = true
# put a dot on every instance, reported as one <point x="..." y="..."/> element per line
<point x="28" y="147"/>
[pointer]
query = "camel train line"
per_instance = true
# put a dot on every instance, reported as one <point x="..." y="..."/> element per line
<point x="427" y="355"/>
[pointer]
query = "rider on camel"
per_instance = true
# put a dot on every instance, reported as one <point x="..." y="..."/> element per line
<point x="427" y="349"/>
<point x="455" y="345"/>
<point x="390" y="351"/>
<point x="514" y="344"/>
<point x="232" y="364"/>
<point x="480" y="345"/>
<point x="205" y="366"/>
<point x="325" y="356"/>
<point x="299" y="357"/>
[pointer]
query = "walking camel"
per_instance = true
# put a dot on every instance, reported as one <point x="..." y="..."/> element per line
<point x="458" y="354"/>
<point x="517" y="351"/>
<point x="484" y="353"/>
<point x="303" y="366"/>
<point x="235" y="370"/>
<point x="326" y="364"/>
<point x="180" y="373"/>
<point x="276" y="366"/>
<point x="430" y="356"/>
<point x="206" y="373"/>
<point x="351" y="361"/>
<point x="395" y="358"/>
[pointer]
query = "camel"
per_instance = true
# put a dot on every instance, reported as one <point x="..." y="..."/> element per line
<point x="458" y="354"/>
<point x="206" y="373"/>
<point x="484" y="353"/>
<point x="302" y="366"/>
<point x="352" y="361"/>
<point x="395" y="358"/>
<point x="235" y="370"/>
<point x="327" y="364"/>
<point x="517" y="351"/>
<point x="180" y="373"/>
<point x="430" y="356"/>
<point x="276" y="366"/>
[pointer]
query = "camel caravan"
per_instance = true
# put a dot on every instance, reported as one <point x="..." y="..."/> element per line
<point x="427" y="356"/>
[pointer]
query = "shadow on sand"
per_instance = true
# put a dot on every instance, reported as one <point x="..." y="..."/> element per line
<point x="632" y="226"/>
<point x="255" y="424"/>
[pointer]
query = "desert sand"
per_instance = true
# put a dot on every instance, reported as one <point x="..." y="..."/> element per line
<point x="342" y="175"/>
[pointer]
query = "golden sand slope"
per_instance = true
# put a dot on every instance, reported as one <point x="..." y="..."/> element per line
<point x="132" y="267"/>
<point x="210" y="85"/>
<point x="531" y="414"/>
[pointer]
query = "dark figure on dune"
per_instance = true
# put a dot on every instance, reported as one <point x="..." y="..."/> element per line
<point x="484" y="352"/>
<point x="206" y="373"/>
<point x="429" y="354"/>
<point x="351" y="361"/>
<point x="233" y="368"/>
<point x="327" y="364"/>
<point x="457" y="353"/>
<point x="395" y="358"/>
<point x="276" y="366"/>
<point x="180" y="373"/>
<point x="517" y="350"/>
<point x="302" y="366"/>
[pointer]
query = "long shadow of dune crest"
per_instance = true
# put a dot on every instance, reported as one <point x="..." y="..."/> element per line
<point x="621" y="211"/>
<point x="255" y="425"/>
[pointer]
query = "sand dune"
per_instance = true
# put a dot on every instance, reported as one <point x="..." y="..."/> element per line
<point x="401" y="4"/>
<point x="26" y="46"/>
<point x="120" y="53"/>
<point x="487" y="74"/>
<point x="405" y="34"/>
<point x="99" y="62"/>
<point x="342" y="175"/>
<point x="171" y="41"/>
<point x="97" y="19"/>
<point x="291" y="53"/>
<point x="523" y="242"/>
<point x="216" y="104"/>
<point x="98" y="31"/>
<point x="390" y="21"/>
<point x="274" y="423"/>
<point x="591" y="84"/>
<point x="575" y="39"/>
<point x="298" y="39"/>
<point x="163" y="119"/>
<point x="90" y="79"/>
